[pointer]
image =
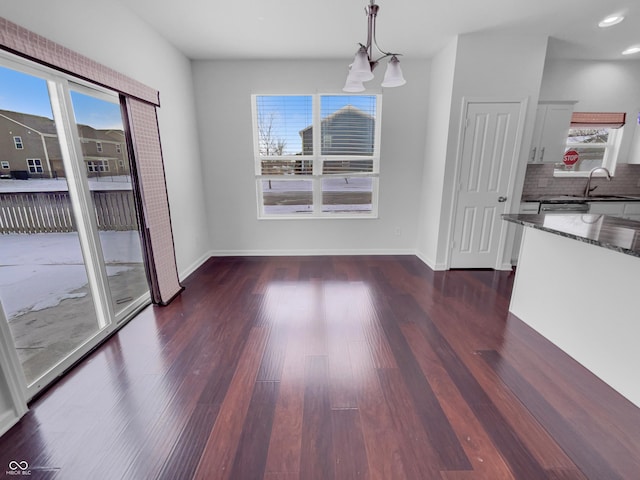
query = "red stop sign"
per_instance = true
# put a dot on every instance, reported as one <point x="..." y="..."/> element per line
<point x="570" y="157"/>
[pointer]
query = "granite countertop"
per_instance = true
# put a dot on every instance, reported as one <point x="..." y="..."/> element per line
<point x="580" y="199"/>
<point x="605" y="231"/>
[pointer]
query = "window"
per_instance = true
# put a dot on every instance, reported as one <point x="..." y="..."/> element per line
<point x="593" y="141"/>
<point x="4" y="165"/>
<point x="17" y="141"/>
<point x="99" y="147"/>
<point x="34" y="165"/>
<point x="97" y="166"/>
<point x="316" y="155"/>
<point x="118" y="148"/>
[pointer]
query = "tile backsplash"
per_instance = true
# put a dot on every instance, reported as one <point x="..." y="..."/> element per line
<point x="539" y="180"/>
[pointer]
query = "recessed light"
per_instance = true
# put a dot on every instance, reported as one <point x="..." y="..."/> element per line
<point x="631" y="51"/>
<point x="610" y="21"/>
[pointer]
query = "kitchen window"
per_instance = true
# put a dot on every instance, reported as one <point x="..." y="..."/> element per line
<point x="594" y="141"/>
<point x="316" y="155"/>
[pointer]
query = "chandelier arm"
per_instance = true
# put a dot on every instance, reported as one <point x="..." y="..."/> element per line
<point x="371" y="37"/>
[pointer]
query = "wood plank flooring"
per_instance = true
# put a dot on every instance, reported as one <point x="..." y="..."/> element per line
<point x="329" y="368"/>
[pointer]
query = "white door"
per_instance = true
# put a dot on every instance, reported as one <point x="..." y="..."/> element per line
<point x="488" y="155"/>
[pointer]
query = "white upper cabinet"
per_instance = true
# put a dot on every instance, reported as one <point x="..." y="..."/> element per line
<point x="550" y="132"/>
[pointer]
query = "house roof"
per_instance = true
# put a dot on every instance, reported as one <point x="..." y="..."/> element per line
<point x="47" y="126"/>
<point x="35" y="122"/>
<point x="347" y="109"/>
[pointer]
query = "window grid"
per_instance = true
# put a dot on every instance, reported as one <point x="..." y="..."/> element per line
<point x="596" y="138"/>
<point x="597" y="147"/>
<point x="331" y="170"/>
<point x="17" y="141"/>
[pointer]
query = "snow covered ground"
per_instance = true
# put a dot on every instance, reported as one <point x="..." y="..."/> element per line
<point x="41" y="270"/>
<point x="121" y="182"/>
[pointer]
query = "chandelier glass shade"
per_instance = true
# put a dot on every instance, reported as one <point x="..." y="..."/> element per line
<point x="361" y="70"/>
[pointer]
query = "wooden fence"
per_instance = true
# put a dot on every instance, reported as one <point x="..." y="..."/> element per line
<point x="48" y="212"/>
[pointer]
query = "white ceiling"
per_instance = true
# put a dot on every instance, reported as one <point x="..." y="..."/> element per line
<point x="292" y="29"/>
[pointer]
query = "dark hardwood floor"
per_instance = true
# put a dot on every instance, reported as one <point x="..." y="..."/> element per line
<point x="329" y="367"/>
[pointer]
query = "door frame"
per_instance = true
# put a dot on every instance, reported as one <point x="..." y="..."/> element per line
<point x="59" y="85"/>
<point x="500" y="264"/>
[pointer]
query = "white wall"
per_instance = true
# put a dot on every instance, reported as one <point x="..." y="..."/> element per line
<point x="598" y="86"/>
<point x="494" y="66"/>
<point x="437" y="138"/>
<point x="108" y="33"/>
<point x="224" y="90"/>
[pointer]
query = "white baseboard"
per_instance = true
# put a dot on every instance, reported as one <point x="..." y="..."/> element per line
<point x="430" y="263"/>
<point x="194" y="266"/>
<point x="316" y="252"/>
<point x="505" y="266"/>
<point x="306" y="253"/>
<point x="7" y="420"/>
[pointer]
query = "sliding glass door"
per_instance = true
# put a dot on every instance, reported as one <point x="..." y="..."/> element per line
<point x="71" y="262"/>
<point x="98" y="119"/>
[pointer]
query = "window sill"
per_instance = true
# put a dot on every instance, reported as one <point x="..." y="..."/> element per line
<point x="319" y="217"/>
<point x="561" y="174"/>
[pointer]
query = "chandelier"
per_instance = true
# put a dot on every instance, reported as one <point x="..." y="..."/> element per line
<point x="361" y="70"/>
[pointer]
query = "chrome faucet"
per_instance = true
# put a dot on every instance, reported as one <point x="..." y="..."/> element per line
<point x="587" y="188"/>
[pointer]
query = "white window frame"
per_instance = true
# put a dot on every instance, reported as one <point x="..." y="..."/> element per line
<point x="59" y="86"/>
<point x="33" y="164"/>
<point x="609" y="160"/>
<point x="99" y="147"/>
<point x="17" y="141"/>
<point x="5" y="165"/>
<point x="317" y="161"/>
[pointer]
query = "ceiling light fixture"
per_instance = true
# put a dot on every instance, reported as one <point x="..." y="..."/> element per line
<point x="610" y="21"/>
<point x="361" y="70"/>
<point x="631" y="51"/>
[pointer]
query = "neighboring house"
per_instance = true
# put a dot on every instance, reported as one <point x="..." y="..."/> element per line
<point x="104" y="151"/>
<point x="28" y="145"/>
<point x="347" y="132"/>
<point x="29" y="148"/>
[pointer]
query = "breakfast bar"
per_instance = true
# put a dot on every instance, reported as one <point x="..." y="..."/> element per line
<point x="578" y="284"/>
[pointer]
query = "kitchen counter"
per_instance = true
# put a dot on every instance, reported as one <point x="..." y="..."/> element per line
<point x="605" y="231"/>
<point x="577" y="285"/>
<point x="580" y="198"/>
